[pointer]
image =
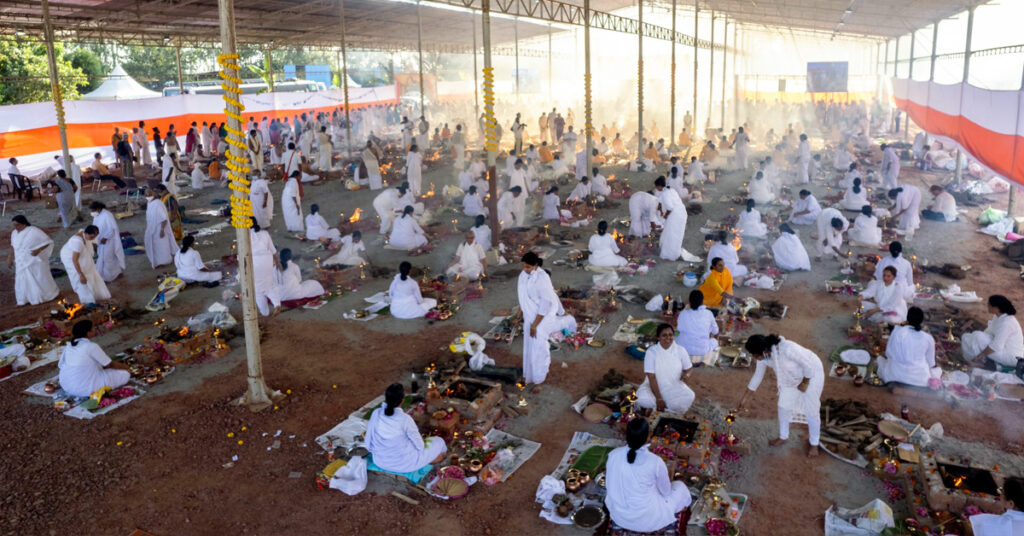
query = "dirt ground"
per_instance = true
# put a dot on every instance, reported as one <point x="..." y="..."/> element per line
<point x="163" y="462"/>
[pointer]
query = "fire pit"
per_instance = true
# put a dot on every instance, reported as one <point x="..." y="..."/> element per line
<point x="56" y="325"/>
<point x="953" y="485"/>
<point x="687" y="438"/>
<point x="183" y="344"/>
<point x="358" y="221"/>
<point x="473" y="399"/>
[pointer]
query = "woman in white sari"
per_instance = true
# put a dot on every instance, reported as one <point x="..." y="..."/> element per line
<point x="85" y="367"/>
<point x="1002" y="342"/>
<point x="291" y="203"/>
<point x="406" y="299"/>
<point x="30" y="257"/>
<point x="906" y="209"/>
<point x="394" y="440"/>
<point x="482" y="232"/>
<point x="674" y="213"/>
<point x="541" y="307"/>
<point x="889" y="298"/>
<point x="470" y="259"/>
<point x="641" y="494"/>
<point x="603" y="249"/>
<point x="414" y="169"/>
<point x="749" y="223"/>
<point x="76" y="255"/>
<point x="666" y="364"/>
<point x="697" y="327"/>
<point x="190" y="265"/>
<point x="264" y="270"/>
<point x="909" y="354"/>
<point x="290" y="283"/>
<point x="760" y="189"/>
<point x="160" y="243"/>
<point x="800" y="377"/>
<point x="348" y="255"/>
<point x="723" y="249"/>
<point x="854" y="197"/>
<point x="551" y="202"/>
<point x="472" y="204"/>
<point x="789" y="252"/>
<point x="110" y="253"/>
<point x="317" y="227"/>
<point x="865" y="230"/>
<point x="407" y="233"/>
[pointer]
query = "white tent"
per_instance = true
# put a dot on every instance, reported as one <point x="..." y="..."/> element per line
<point x="120" y="86"/>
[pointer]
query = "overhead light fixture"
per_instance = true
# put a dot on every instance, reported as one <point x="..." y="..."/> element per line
<point x="167" y="39"/>
<point x="848" y="11"/>
<point x="19" y="33"/>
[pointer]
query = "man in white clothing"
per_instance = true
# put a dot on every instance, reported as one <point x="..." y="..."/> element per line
<point x="943" y="208"/>
<point x="255" y="146"/>
<point x="890" y="167"/>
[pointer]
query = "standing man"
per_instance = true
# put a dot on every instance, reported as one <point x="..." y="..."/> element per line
<point x="146" y="157"/>
<point x="800" y="377"/>
<point x="109" y="251"/>
<point x="890" y="167"/>
<point x="804" y="159"/>
<point x="742" y="146"/>
<point x="255" y="147"/>
<point x="687" y="121"/>
<point x="543" y="124"/>
<point x="551" y="128"/>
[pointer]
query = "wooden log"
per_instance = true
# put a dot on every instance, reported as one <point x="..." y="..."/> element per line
<point x="405" y="498"/>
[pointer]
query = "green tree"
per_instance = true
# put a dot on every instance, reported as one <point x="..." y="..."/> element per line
<point x="25" y="74"/>
<point x="91" y="67"/>
<point x="154" y="66"/>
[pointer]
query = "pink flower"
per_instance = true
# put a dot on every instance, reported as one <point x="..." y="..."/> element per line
<point x="971" y="510"/>
<point x="921" y="511"/>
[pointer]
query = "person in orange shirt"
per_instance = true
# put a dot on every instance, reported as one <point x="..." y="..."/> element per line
<point x="651" y="153"/>
<point x="684" y="138"/>
<point x="717" y="288"/>
<point x="214" y="170"/>
<point x="546" y="155"/>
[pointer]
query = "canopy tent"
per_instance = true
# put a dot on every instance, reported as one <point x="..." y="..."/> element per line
<point x="120" y="86"/>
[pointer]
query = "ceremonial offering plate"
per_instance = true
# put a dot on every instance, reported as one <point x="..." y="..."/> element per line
<point x="452" y="488"/>
<point x="596" y="412"/>
<point x="588" y="517"/>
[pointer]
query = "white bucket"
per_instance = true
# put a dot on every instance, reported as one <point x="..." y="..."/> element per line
<point x="690" y="279"/>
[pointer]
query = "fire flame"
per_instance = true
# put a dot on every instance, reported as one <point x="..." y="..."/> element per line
<point x="610" y="177"/>
<point x="616" y="236"/>
<point x="958" y="481"/>
<point x="429" y="193"/>
<point x="356" y="215"/>
<point x="73" y="310"/>
<point x="384" y="168"/>
<point x="737" y="242"/>
<point x="183" y="331"/>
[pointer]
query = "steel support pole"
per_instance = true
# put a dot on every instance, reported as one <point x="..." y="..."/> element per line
<point x="490" y="122"/>
<point x="1011" y="209"/>
<point x="910" y="77"/>
<point x="515" y="33"/>
<point x="711" y="74"/>
<point x="344" y="75"/>
<point x="885" y="65"/>
<point x="725" y="47"/>
<point x="258" y="395"/>
<point x="476" y="73"/>
<point x="56" y="92"/>
<point x="935" y="44"/>
<point x="640" y="81"/>
<point x="672" y="85"/>
<point x="588" y="119"/>
<point x="896" y="61"/>
<point x="959" y="172"/>
<point x="696" y="19"/>
<point x="177" y="58"/>
<point x="269" y="54"/>
<point x="419" y="50"/>
<point x="551" y="93"/>
<point x="735" y="73"/>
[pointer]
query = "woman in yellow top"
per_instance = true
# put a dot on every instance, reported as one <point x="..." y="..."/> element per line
<point x="651" y="153"/>
<point x="718" y="286"/>
<point x="545" y="153"/>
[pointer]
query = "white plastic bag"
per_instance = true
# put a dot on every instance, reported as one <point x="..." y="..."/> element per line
<point x="868" y="520"/>
<point x="479" y="361"/>
<point x="548" y="488"/>
<point x="350" y="479"/>
<point x="654" y="304"/>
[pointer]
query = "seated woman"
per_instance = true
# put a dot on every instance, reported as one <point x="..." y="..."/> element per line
<point x="749" y="224"/>
<point x="394" y="440"/>
<point x="830" y="242"/>
<point x="789" y="251"/>
<point x="909" y="354"/>
<point x="675" y="181"/>
<point x="760" y="189"/>
<point x="697" y="327"/>
<point x="724" y="250"/>
<point x="85" y="367"/>
<point x="482" y="232"/>
<point x="889" y="298"/>
<point x="551" y="202"/>
<point x="1002" y="342"/>
<point x="290" y="283"/>
<point x="190" y="265"/>
<point x="717" y="288"/>
<point x="865" y="230"/>
<point x="666" y="364"/>
<point x="470" y="260"/>
<point x="406" y="233"/>
<point x="603" y="249"/>
<point x="855" y="196"/>
<point x="472" y="204"/>
<point x="581" y="192"/>
<point x="406" y="300"/>
<point x="641" y="494"/>
<point x="317" y="228"/>
<point x="348" y="255"/>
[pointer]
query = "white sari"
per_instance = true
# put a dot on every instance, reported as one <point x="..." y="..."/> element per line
<point x="667" y="365"/>
<point x="94" y="289"/>
<point x="537" y="297"/>
<point x="110" y="261"/>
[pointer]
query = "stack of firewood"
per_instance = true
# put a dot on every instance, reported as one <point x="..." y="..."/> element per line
<point x="847" y="428"/>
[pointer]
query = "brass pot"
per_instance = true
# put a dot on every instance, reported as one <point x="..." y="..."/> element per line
<point x="858" y="380"/>
<point x="572" y="485"/>
<point x="475" y="466"/>
<point x="583" y="478"/>
<point x="841" y="369"/>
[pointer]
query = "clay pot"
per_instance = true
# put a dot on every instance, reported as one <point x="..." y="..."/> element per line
<point x="50" y="388"/>
<point x="858" y="380"/>
<point x="564" y="509"/>
<point x="572" y="485"/>
<point x="475" y="466"/>
<point x="841" y="369"/>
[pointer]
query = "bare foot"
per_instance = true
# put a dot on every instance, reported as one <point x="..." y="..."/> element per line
<point x="813" y="451"/>
<point x="277" y="311"/>
<point x="535" y="390"/>
<point x="776" y="442"/>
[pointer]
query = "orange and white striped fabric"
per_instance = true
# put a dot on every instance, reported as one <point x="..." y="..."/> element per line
<point x="988" y="124"/>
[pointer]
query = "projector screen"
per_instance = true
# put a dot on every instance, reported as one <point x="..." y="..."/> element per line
<point x="827" y="77"/>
